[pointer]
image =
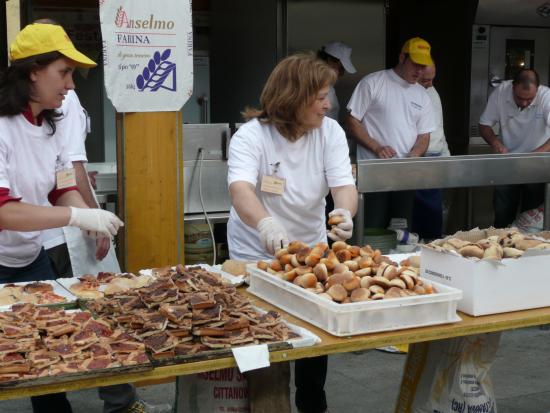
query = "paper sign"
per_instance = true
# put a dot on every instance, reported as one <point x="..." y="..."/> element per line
<point x="251" y="357"/>
<point x="147" y="54"/>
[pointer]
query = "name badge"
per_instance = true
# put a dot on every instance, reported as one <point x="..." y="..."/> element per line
<point x="65" y="178"/>
<point x="273" y="185"/>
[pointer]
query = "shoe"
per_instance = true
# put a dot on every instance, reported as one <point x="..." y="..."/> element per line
<point x="141" y="406"/>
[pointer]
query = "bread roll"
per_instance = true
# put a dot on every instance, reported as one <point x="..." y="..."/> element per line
<point x="262" y="265"/>
<point x="393" y="292"/>
<point x="295" y="246"/>
<point x="366" y="281"/>
<point x="337" y="292"/>
<point x="308" y="280"/>
<point x="303" y="269"/>
<point x="493" y="252"/>
<point x="352" y="265"/>
<point x="286" y="259"/>
<point x="312" y="259"/>
<point x="321" y="272"/>
<point x="339" y="245"/>
<point x="280" y="252"/>
<point x="389" y="272"/>
<point x="398" y="282"/>
<point x="359" y="294"/>
<point x="343" y="255"/>
<point x="340" y="267"/>
<point x="290" y="275"/>
<point x="276" y="265"/>
<point x="302" y="254"/>
<point x="376" y="289"/>
<point x="526" y="244"/>
<point x="363" y="272"/>
<point x="336" y="219"/>
<point x="339" y="278"/>
<point x="409" y="281"/>
<point x="352" y="284"/>
<point x="509" y="252"/>
<point x="471" y="250"/>
<point x="381" y="281"/>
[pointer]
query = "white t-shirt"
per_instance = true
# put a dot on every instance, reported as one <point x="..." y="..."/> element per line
<point x="521" y="131"/>
<point x="29" y="158"/>
<point x="313" y="164"/>
<point x="392" y="110"/>
<point x="438" y="143"/>
<point x="334" y="111"/>
<point x="72" y="130"/>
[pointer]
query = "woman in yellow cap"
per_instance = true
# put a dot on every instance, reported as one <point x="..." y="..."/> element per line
<point x="33" y="166"/>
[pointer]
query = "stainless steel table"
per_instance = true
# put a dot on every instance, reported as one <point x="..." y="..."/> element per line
<point x="381" y="175"/>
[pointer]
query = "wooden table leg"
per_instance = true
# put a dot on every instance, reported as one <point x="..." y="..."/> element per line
<point x="268" y="389"/>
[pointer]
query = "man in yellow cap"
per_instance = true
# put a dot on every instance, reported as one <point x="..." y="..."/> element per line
<point x="390" y="115"/>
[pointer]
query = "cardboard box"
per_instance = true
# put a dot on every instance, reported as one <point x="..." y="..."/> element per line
<point x="491" y="287"/>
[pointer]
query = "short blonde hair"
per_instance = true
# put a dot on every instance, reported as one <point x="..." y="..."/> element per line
<point x="291" y="87"/>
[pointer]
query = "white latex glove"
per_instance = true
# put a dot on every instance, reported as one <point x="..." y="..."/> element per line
<point x="343" y="230"/>
<point x="95" y="221"/>
<point x="272" y="235"/>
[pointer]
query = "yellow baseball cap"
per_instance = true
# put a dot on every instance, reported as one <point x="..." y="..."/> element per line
<point x="419" y="51"/>
<point x="40" y="38"/>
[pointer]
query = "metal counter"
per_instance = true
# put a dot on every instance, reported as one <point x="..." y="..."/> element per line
<point x="380" y="175"/>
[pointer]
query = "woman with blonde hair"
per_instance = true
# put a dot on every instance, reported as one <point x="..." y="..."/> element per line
<point x="282" y="164"/>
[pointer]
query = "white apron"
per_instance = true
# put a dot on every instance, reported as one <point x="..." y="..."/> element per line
<point x="82" y="254"/>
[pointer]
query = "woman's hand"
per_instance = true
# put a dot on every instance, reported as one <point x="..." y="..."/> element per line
<point x="343" y="225"/>
<point x="272" y="235"/>
<point x="95" y="221"/>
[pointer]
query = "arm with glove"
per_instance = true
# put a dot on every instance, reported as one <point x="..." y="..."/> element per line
<point x="345" y="207"/>
<point x="20" y="216"/>
<point x="251" y="211"/>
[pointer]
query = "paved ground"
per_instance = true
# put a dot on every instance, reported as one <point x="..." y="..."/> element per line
<point x="369" y="382"/>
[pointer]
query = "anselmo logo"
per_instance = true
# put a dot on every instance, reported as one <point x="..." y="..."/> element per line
<point x="122" y="20"/>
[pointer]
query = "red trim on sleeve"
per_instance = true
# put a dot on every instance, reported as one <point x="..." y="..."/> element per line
<point x="56" y="193"/>
<point x="5" y="196"/>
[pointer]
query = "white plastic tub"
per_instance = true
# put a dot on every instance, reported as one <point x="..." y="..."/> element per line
<point x="356" y="318"/>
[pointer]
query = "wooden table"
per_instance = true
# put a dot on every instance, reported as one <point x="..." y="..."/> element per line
<point x="329" y="345"/>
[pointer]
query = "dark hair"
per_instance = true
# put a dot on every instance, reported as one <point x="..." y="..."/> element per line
<point x="526" y="77"/>
<point x="290" y="88"/>
<point x="16" y="88"/>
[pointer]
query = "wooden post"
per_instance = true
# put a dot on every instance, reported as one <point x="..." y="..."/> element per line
<point x="150" y="171"/>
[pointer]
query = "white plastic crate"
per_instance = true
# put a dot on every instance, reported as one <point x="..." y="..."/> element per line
<point x="356" y="318"/>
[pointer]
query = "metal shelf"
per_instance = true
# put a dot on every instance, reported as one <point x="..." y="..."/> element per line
<point x="380" y="175"/>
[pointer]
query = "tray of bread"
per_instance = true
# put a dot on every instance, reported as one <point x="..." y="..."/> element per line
<point x="39" y="292"/>
<point x="89" y="287"/>
<point x="43" y="345"/>
<point x="349" y="290"/>
<point x="188" y="312"/>
<point x="229" y="276"/>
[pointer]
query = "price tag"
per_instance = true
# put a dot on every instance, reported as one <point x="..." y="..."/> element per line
<point x="65" y="178"/>
<point x="273" y="185"/>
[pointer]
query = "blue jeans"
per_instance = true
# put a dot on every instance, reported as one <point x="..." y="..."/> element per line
<point x="38" y="270"/>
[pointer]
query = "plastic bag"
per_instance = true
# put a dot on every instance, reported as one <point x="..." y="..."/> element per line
<point x="530" y="221"/>
<point x="450" y="376"/>
<point x="223" y="390"/>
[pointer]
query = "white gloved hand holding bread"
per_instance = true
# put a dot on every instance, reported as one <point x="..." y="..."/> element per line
<point x="272" y="235"/>
<point x="342" y="225"/>
<point x="95" y="221"/>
